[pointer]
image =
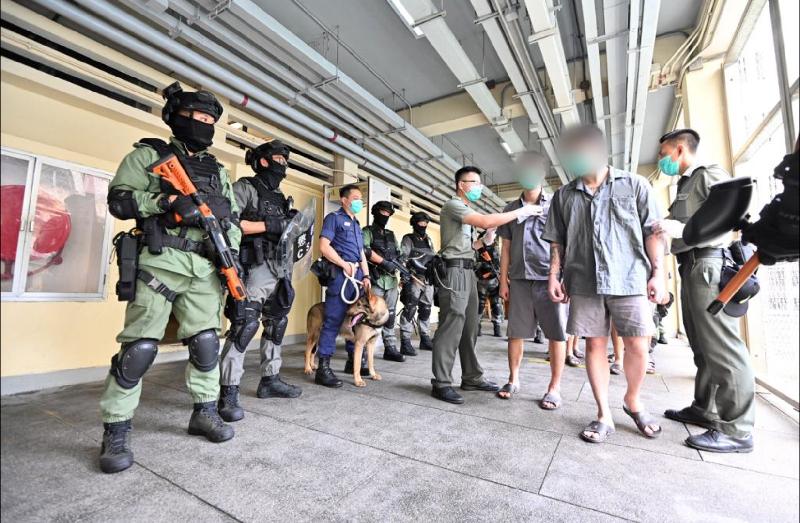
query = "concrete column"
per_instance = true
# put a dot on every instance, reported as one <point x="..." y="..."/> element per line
<point x="344" y="170"/>
<point x="705" y="111"/>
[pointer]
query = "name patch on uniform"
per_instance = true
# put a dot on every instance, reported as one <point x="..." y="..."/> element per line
<point x="346" y="224"/>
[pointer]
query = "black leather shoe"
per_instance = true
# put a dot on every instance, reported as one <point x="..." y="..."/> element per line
<point x="391" y="353"/>
<point x="447" y="394"/>
<point x="348" y="366"/>
<point x="662" y="340"/>
<point x="485" y="385"/>
<point x="406" y="348"/>
<point x="275" y="387"/>
<point x="115" y="453"/>
<point x="497" y="331"/>
<point x="205" y="421"/>
<point x="425" y="342"/>
<point x="687" y="415"/>
<point x="539" y="337"/>
<point x="228" y="403"/>
<point x="325" y="375"/>
<point x="715" y="441"/>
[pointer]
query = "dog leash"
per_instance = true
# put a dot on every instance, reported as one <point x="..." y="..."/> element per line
<point x="354" y="283"/>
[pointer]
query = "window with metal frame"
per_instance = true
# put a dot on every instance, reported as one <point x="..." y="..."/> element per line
<point x="55" y="229"/>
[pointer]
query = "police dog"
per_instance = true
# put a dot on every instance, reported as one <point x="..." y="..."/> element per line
<point x="361" y="325"/>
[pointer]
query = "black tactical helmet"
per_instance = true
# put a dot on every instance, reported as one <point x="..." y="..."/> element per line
<point x="265" y="150"/>
<point x="178" y="99"/>
<point x="382" y="205"/>
<point x="419" y="216"/>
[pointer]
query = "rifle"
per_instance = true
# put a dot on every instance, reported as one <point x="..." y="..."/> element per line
<point x="486" y="257"/>
<point x="172" y="170"/>
<point x="405" y="274"/>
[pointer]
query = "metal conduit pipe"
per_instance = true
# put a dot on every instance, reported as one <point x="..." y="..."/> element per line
<point x="166" y="43"/>
<point x="94" y="24"/>
<point x="630" y="89"/>
<point x="649" y="29"/>
<point x="181" y="30"/>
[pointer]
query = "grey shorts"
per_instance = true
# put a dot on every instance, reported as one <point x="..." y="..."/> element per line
<point x="530" y="305"/>
<point x="591" y="316"/>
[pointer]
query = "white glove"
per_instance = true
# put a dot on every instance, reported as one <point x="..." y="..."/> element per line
<point x="488" y="238"/>
<point x="673" y="228"/>
<point x="526" y="211"/>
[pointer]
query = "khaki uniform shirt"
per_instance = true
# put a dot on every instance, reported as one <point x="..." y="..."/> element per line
<point x="693" y="188"/>
<point x="456" y="236"/>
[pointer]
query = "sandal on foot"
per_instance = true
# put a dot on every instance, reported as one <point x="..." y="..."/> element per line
<point x="553" y="398"/>
<point x="572" y="361"/>
<point x="643" y="420"/>
<point x="616" y="369"/>
<point x="508" y="388"/>
<point x="602" y="430"/>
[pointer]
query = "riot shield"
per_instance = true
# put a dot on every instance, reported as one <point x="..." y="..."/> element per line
<point x="296" y="241"/>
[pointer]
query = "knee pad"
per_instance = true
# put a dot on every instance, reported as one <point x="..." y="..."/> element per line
<point x="274" y="329"/>
<point x="409" y="309"/>
<point x="129" y="366"/>
<point x="244" y="323"/>
<point x="390" y="322"/>
<point x="424" y="313"/>
<point x="203" y="350"/>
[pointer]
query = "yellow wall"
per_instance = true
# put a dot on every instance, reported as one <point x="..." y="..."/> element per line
<point x="65" y="122"/>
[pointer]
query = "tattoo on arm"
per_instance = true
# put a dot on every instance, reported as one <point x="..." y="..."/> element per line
<point x="556" y="254"/>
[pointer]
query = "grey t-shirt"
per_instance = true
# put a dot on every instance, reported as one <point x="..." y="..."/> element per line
<point x="529" y="253"/>
<point x="603" y="234"/>
<point x="456" y="236"/>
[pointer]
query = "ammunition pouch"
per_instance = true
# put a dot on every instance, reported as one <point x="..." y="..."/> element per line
<point x="126" y="247"/>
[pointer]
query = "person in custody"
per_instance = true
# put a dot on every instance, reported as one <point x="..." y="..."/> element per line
<point x="168" y="269"/>
<point x="417" y="295"/>
<point x="264" y="214"/>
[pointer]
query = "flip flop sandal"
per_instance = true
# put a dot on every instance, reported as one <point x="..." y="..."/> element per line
<point x="551" y="397"/>
<point x="508" y="388"/>
<point x="643" y="420"/>
<point x="603" y="432"/>
<point x="572" y="361"/>
<point x="616" y="369"/>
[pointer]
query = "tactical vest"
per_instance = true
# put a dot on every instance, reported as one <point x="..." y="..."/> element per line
<point x="256" y="248"/>
<point x="384" y="244"/>
<point x="421" y="249"/>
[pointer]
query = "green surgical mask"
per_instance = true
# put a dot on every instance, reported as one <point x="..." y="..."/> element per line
<point x="669" y="166"/>
<point x="577" y="165"/>
<point x="474" y="194"/>
<point x="356" y="206"/>
<point x="530" y="178"/>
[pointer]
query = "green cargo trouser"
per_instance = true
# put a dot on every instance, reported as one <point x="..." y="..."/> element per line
<point x="724" y="390"/>
<point x="458" y="329"/>
<point x="197" y="307"/>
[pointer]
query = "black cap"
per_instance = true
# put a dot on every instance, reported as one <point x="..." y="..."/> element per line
<point x="178" y="99"/>
<point x="737" y="306"/>
<point x="383" y="205"/>
<point x="677" y="132"/>
<point x="419" y="216"/>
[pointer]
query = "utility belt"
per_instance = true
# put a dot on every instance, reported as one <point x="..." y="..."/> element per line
<point x="126" y="248"/>
<point x="257" y="251"/>
<point x="690" y="256"/>
<point x="464" y="263"/>
<point x="154" y="235"/>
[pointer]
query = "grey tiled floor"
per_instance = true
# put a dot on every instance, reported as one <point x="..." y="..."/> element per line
<point x="390" y="452"/>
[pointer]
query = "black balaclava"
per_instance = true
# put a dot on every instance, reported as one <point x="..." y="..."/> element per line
<point x="273" y="173"/>
<point x="196" y="135"/>
<point x="379" y="219"/>
<point x="416" y="218"/>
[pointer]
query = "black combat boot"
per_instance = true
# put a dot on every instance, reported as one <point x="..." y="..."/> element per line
<point x="497" y="330"/>
<point x="425" y="342"/>
<point x="662" y="340"/>
<point x="406" y="347"/>
<point x="205" y="421"/>
<point x="116" y="454"/>
<point x="539" y="337"/>
<point x="391" y="353"/>
<point x="348" y="366"/>
<point x="275" y="387"/>
<point x="228" y="403"/>
<point x="325" y="375"/>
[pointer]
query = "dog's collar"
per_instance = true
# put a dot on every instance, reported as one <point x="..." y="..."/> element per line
<point x="361" y="319"/>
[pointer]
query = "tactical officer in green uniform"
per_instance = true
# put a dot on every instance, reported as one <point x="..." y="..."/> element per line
<point x="724" y="392"/>
<point x="265" y="213"/>
<point x="457" y="287"/>
<point x="176" y="273"/>
<point x="417" y="299"/>
<point x="383" y="253"/>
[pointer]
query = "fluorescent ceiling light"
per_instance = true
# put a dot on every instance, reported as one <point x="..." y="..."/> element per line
<point x="400" y="9"/>
<point x="236" y="125"/>
<point x="505" y="147"/>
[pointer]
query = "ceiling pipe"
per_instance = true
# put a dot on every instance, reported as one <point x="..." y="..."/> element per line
<point x="593" y="60"/>
<point x="256" y="75"/>
<point x="449" y="49"/>
<point x="630" y="89"/>
<point x="494" y="30"/>
<point x="649" y="29"/>
<point x="104" y="29"/>
<point x="616" y="22"/>
<point x="249" y="13"/>
<point x="547" y="36"/>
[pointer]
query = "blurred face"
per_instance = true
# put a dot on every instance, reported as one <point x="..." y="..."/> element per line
<point x="581" y="158"/>
<point x="530" y="173"/>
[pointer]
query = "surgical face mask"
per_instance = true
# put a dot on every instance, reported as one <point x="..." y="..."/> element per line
<point x="474" y="194"/>
<point x="356" y="206"/>
<point x="530" y="178"/>
<point x="196" y="135"/>
<point x="669" y="166"/>
<point x="577" y="164"/>
<point x="272" y="174"/>
<point x="380" y="220"/>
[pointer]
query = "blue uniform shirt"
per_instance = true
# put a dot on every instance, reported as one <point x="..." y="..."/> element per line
<point x="344" y="234"/>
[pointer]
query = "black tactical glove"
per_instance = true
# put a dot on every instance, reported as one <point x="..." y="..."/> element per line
<point x="275" y="225"/>
<point x="184" y="207"/>
<point x="388" y="266"/>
